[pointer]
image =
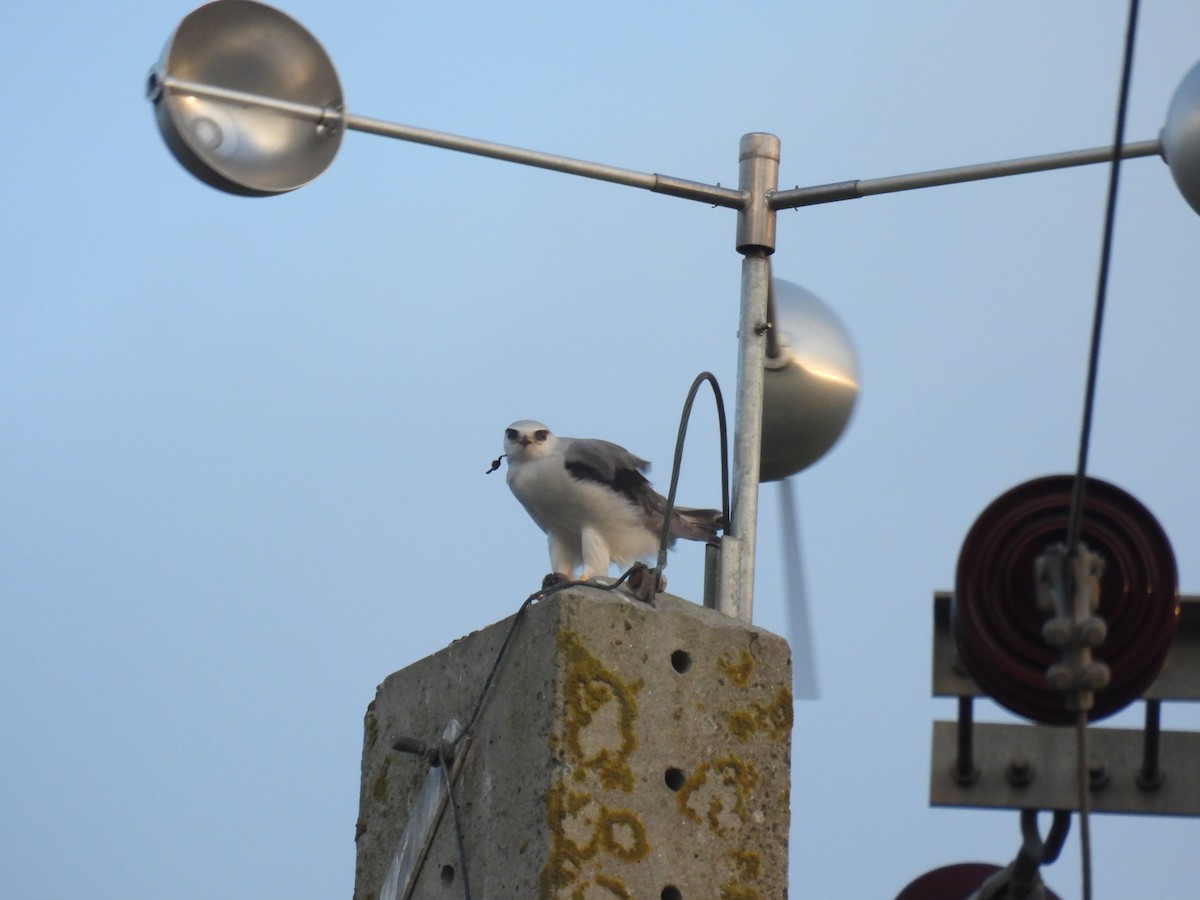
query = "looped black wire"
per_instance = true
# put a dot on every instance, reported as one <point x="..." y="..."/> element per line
<point x="665" y="535"/>
<point x="1021" y="877"/>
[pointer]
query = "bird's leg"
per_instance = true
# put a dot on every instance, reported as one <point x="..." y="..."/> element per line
<point x="562" y="557"/>
<point x="596" y="558"/>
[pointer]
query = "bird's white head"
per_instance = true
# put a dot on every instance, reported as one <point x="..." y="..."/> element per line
<point x="527" y="440"/>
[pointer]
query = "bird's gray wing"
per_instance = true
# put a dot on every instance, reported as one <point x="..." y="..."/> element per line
<point x="614" y="467"/>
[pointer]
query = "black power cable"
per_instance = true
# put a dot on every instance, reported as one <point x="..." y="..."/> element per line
<point x="1110" y="215"/>
<point x="1075" y="519"/>
<point x="442" y="759"/>
<point x="665" y="535"/>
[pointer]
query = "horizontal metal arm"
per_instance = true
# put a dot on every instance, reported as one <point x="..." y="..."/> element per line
<point x="159" y="83"/>
<point x="661" y="184"/>
<point x="852" y="190"/>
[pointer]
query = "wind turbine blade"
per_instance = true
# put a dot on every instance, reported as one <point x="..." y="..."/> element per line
<point x="804" y="665"/>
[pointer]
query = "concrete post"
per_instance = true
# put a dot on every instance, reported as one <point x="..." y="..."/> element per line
<point x="625" y="751"/>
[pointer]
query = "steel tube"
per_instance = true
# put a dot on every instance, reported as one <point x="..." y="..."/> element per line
<point x="758" y="176"/>
<point x="738" y="574"/>
<point x="852" y="190"/>
<point x="536" y="158"/>
<point x="661" y="184"/>
<point x="310" y="111"/>
<point x="678" y="187"/>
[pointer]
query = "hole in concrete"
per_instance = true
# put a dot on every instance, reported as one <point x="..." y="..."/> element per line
<point x="670" y="892"/>
<point x="681" y="661"/>
<point x="674" y="778"/>
<point x="447" y="874"/>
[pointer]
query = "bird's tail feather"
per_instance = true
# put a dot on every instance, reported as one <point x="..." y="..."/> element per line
<point x="697" y="524"/>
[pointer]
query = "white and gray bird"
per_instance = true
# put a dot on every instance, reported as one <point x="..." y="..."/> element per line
<point x="592" y="501"/>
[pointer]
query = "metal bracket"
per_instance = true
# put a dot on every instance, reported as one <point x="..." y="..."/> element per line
<point x="1033" y="766"/>
<point x="1020" y="766"/>
<point x="426" y="810"/>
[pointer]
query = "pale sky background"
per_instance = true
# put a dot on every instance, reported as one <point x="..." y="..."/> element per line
<point x="243" y="440"/>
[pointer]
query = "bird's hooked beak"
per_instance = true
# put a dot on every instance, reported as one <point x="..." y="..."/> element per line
<point x="524" y="440"/>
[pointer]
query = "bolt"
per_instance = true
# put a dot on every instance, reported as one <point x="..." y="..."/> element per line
<point x="1098" y="776"/>
<point x="1150" y="781"/>
<point x="1019" y="772"/>
<point x="965" y="773"/>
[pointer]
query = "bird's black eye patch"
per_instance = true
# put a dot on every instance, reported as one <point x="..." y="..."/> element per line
<point x="541" y="434"/>
<point x="510" y="434"/>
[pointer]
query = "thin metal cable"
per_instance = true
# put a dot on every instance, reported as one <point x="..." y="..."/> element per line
<point x="512" y="630"/>
<point x="487" y="684"/>
<point x="1110" y="215"/>
<point x="1085" y="803"/>
<point x="1075" y="519"/>
<point x="665" y="535"/>
<point x="460" y="743"/>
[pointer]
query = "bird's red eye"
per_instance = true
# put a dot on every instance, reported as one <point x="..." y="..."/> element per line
<point x="541" y="435"/>
<point x="510" y="434"/>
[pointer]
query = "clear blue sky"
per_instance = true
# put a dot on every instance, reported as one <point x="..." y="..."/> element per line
<point x="243" y="441"/>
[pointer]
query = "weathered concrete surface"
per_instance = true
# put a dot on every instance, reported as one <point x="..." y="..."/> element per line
<point x="625" y="751"/>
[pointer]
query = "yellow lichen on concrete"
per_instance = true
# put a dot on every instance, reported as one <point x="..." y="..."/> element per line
<point x="716" y="794"/>
<point x="747" y="864"/>
<point x="774" y="718"/>
<point x="600" y="712"/>
<point x="738" y="669"/>
<point x="379" y="787"/>
<point x="742" y="724"/>
<point x="610" y="885"/>
<point x="739" y="892"/>
<point x="623" y="834"/>
<point x="573" y="839"/>
<point x="582" y="831"/>
<point x="370" y="727"/>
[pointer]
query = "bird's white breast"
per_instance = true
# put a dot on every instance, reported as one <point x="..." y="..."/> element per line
<point x="558" y="502"/>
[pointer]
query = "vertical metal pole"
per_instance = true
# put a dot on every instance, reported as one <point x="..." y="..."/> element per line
<point x="758" y="171"/>
<point x="965" y="771"/>
<point x="1150" y="778"/>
